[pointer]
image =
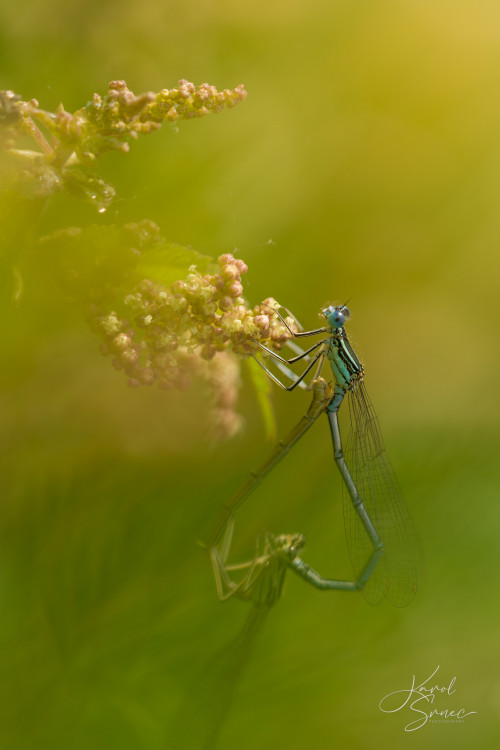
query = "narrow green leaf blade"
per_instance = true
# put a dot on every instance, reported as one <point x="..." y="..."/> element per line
<point x="263" y="390"/>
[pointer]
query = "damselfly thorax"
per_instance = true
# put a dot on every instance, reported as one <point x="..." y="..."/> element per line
<point x="346" y="367"/>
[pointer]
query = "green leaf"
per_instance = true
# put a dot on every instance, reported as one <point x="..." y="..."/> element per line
<point x="167" y="262"/>
<point x="263" y="390"/>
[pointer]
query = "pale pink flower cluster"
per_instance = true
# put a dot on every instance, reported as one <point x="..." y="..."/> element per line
<point x="200" y="315"/>
<point x="189" y="330"/>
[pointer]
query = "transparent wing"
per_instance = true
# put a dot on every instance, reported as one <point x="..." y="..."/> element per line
<point x="399" y="571"/>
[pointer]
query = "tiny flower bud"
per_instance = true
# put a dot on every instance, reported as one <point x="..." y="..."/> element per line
<point x="235" y="289"/>
<point x="241" y="265"/>
<point x="110" y="324"/>
<point x="249" y="327"/>
<point x="230" y="272"/>
<point x="121" y="342"/>
<point x="129" y="356"/>
<point x="225" y="303"/>
<point x="240" y="311"/>
<point x="261" y="321"/>
<point x="223" y="260"/>
<point x="269" y="302"/>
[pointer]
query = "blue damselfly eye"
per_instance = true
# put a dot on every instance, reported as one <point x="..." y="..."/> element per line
<point x="346" y="312"/>
<point x="336" y="318"/>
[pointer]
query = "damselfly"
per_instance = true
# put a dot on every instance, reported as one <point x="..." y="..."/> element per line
<point x="379" y="529"/>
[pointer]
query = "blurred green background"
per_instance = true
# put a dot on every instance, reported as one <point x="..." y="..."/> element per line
<point x="368" y="151"/>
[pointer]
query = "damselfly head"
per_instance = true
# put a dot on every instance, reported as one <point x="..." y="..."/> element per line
<point x="336" y="316"/>
<point x="289" y="545"/>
